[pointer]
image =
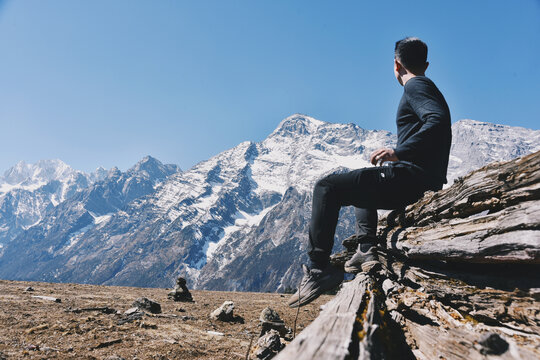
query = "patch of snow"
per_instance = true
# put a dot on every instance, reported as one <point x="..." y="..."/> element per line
<point x="5" y="187"/>
<point x="192" y="273"/>
<point x="102" y="219"/>
<point x="75" y="237"/>
<point x="242" y="221"/>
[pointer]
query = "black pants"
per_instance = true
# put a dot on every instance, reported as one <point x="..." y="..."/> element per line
<point x="368" y="189"/>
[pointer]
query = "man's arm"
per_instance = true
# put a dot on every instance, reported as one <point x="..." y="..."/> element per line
<point x="432" y="113"/>
<point x="383" y="155"/>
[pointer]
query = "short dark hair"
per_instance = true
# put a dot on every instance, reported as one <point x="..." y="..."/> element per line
<point x="411" y="52"/>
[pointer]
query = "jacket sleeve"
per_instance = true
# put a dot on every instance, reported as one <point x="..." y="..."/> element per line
<point x="433" y="115"/>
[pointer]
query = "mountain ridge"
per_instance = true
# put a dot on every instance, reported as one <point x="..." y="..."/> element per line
<point x="241" y="214"/>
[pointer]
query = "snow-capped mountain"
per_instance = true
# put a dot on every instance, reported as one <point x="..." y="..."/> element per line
<point x="237" y="221"/>
<point x="28" y="191"/>
<point x="476" y="143"/>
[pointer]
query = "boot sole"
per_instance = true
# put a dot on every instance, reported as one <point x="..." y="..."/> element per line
<point x="312" y="295"/>
<point x="365" y="267"/>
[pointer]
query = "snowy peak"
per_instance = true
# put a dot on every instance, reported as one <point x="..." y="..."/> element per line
<point x="99" y="174"/>
<point x="114" y="172"/>
<point x="41" y="172"/>
<point x="28" y="192"/>
<point x="302" y="149"/>
<point x="476" y="143"/>
<point x="503" y="135"/>
<point x="153" y="168"/>
<point x="297" y="124"/>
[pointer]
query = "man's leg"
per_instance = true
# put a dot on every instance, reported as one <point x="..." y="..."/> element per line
<point x="370" y="188"/>
<point x="366" y="222"/>
<point x="363" y="188"/>
<point x="358" y="188"/>
<point x="365" y="258"/>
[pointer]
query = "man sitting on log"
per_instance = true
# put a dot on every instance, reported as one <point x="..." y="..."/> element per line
<point x="417" y="164"/>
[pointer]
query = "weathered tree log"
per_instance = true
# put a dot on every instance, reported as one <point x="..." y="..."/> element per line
<point x="330" y="335"/>
<point x="509" y="235"/>
<point x="459" y="278"/>
<point x="492" y="188"/>
<point x="491" y="215"/>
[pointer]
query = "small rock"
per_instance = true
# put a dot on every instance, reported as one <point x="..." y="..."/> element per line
<point x="48" y="298"/>
<point x="29" y="289"/>
<point x="270" y="315"/>
<point x="138" y="315"/>
<point x="180" y="291"/>
<point x="268" y="345"/>
<point x="147" y="326"/>
<point x="224" y="312"/>
<point x="170" y="341"/>
<point x="270" y="320"/>
<point x="147" y="304"/>
<point x="131" y="311"/>
<point x="105" y="344"/>
<point x="37" y="328"/>
<point x="215" y="333"/>
<point x="47" y="349"/>
<point x="492" y="344"/>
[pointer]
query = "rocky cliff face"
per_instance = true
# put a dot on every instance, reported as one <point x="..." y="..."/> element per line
<point x="237" y="221"/>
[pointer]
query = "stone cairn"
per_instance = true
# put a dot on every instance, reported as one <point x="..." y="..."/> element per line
<point x="180" y="291"/>
<point x="269" y="319"/>
<point x="272" y="330"/>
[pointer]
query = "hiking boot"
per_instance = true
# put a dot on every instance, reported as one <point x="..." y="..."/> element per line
<point x="365" y="259"/>
<point x="314" y="283"/>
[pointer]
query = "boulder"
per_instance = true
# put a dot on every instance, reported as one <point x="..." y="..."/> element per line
<point x="148" y="305"/>
<point x="224" y="312"/>
<point x="268" y="345"/>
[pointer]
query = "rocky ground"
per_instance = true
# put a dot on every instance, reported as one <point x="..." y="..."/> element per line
<point x="87" y="322"/>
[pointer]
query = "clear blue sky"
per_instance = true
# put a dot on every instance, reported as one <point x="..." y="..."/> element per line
<point x="108" y="82"/>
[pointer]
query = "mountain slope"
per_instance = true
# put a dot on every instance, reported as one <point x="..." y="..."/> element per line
<point x="238" y="220"/>
<point x="476" y="143"/>
<point x="28" y="191"/>
<point x="64" y="225"/>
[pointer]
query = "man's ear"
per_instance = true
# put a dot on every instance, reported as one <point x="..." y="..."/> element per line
<point x="397" y="65"/>
<point x="427" y="64"/>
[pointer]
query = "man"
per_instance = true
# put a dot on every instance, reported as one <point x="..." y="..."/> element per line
<point x="417" y="164"/>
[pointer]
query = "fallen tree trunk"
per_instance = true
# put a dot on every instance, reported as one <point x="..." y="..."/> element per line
<point x="459" y="278"/>
<point x="334" y="327"/>
<point x="491" y="215"/>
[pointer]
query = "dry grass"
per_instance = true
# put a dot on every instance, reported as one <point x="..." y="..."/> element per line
<point x="39" y="329"/>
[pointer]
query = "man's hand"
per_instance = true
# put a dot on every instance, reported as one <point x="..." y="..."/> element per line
<point x="380" y="156"/>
